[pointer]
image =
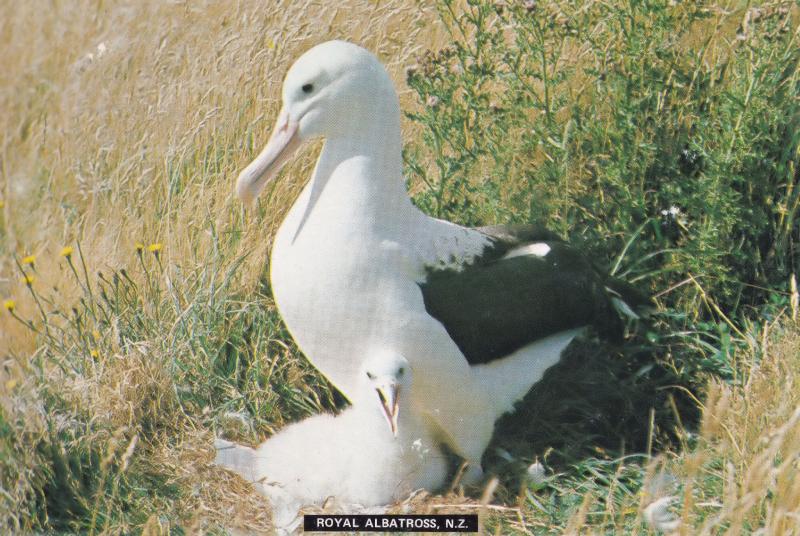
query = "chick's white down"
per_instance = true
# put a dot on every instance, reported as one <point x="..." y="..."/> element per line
<point x="354" y="457"/>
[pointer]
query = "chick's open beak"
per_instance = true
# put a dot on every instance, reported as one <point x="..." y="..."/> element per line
<point x="282" y="144"/>
<point x="389" y="396"/>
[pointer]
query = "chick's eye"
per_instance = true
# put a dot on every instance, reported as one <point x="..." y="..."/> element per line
<point x="401" y="371"/>
<point x="370" y="376"/>
<point x="308" y="88"/>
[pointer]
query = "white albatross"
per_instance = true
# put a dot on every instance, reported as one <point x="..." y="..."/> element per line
<point x="482" y="313"/>
<point x="354" y="458"/>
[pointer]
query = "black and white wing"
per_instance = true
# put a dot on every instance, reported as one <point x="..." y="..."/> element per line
<point x="527" y="285"/>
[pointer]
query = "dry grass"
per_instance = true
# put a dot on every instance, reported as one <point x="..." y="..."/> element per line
<point x="127" y="122"/>
<point x="750" y="447"/>
<point x="740" y="474"/>
<point x="742" y="471"/>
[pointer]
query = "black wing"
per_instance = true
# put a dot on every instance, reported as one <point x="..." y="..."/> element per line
<point x="497" y="305"/>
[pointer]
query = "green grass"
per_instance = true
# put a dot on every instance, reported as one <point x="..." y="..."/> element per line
<point x="596" y="119"/>
<point x="659" y="138"/>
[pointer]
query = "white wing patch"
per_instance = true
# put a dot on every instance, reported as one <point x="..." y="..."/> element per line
<point x="449" y="247"/>
<point x="540" y="249"/>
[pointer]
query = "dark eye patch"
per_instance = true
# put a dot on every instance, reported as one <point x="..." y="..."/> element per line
<point x="370" y="376"/>
<point x="307" y="88"/>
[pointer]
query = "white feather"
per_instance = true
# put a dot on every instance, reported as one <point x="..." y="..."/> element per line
<point x="352" y="458"/>
<point x="348" y="259"/>
<point x="539" y="249"/>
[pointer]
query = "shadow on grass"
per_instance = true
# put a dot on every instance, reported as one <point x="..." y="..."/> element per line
<point x="599" y="402"/>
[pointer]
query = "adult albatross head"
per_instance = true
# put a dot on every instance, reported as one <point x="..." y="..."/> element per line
<point x="335" y="90"/>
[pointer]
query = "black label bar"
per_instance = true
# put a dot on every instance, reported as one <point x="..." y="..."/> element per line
<point x="391" y="523"/>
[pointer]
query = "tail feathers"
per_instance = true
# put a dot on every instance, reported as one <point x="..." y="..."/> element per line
<point x="624" y="303"/>
<point x="629" y="300"/>
<point x="624" y="309"/>
<point x="237" y="458"/>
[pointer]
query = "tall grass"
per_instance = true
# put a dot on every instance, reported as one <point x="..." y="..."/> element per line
<point x="665" y="132"/>
<point x="123" y="128"/>
<point x="660" y="137"/>
<point x="138" y="320"/>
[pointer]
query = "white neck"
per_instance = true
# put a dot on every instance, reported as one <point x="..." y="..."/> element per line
<point x="368" y="169"/>
<point x="359" y="178"/>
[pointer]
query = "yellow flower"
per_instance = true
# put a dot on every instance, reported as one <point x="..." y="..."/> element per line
<point x="155" y="248"/>
<point x="30" y="259"/>
<point x="139" y="247"/>
<point x="66" y="251"/>
<point x="28" y="279"/>
<point x="10" y="384"/>
<point x="10" y="305"/>
<point x="95" y="354"/>
<point x="270" y="44"/>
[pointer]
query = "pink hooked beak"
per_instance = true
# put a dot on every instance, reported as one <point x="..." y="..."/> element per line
<point x="282" y="144"/>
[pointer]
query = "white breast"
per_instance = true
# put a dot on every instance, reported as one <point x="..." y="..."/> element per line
<point x="352" y="458"/>
<point x="328" y="295"/>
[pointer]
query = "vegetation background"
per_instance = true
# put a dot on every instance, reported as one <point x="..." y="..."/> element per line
<point x="662" y="136"/>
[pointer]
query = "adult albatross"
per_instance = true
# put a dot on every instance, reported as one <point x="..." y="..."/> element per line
<point x="481" y="313"/>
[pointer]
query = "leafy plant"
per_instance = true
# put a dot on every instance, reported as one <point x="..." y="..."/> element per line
<point x="658" y="137"/>
<point x="613" y="120"/>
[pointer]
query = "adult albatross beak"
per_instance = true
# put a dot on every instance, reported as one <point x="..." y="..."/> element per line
<point x="282" y="144"/>
<point x="389" y="396"/>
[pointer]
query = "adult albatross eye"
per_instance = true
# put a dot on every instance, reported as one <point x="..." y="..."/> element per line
<point x="370" y="376"/>
<point x="307" y="88"/>
<point x="401" y="371"/>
